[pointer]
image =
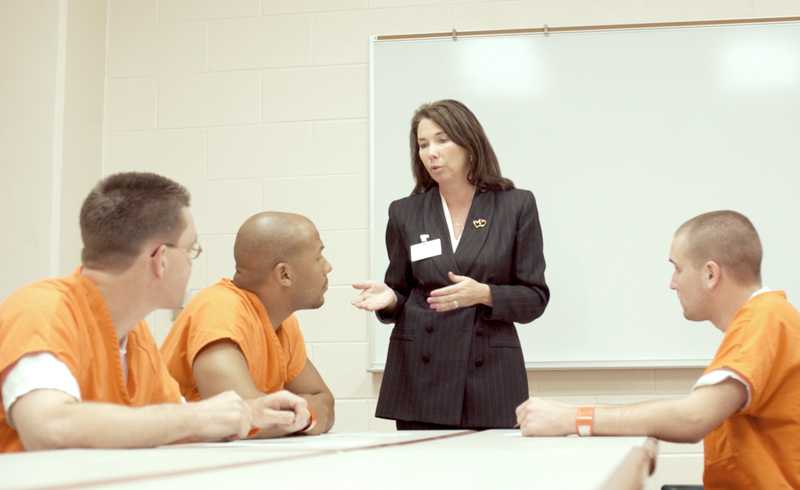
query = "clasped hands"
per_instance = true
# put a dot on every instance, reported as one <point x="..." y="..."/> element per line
<point x="228" y="416"/>
<point x="464" y="292"/>
<point x="281" y="409"/>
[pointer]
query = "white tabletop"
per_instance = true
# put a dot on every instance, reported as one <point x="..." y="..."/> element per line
<point x="394" y="460"/>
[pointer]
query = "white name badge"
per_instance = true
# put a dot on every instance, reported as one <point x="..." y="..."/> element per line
<point x="426" y="250"/>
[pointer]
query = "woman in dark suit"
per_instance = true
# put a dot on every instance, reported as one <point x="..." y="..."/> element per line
<point x="465" y="264"/>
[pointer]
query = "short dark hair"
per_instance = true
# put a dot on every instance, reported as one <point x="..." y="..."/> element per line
<point x="727" y="238"/>
<point x="125" y="210"/>
<point x="461" y="126"/>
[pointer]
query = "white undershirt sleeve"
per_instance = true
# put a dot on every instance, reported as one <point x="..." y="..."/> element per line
<point x="718" y="376"/>
<point x="39" y="371"/>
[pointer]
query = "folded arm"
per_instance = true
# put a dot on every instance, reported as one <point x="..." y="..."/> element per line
<point x="221" y="366"/>
<point x="51" y="419"/>
<point x="310" y="385"/>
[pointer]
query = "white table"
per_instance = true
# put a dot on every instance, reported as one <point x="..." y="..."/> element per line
<point x="394" y="460"/>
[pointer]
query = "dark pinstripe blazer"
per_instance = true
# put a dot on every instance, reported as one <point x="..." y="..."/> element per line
<point x="463" y="367"/>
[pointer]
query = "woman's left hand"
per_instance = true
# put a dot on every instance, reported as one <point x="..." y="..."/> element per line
<point x="465" y="291"/>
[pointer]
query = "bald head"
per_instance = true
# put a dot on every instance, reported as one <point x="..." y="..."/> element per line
<point x="265" y="240"/>
<point x="727" y="238"/>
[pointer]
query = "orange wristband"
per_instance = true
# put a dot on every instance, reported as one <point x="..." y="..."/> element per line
<point x="584" y="421"/>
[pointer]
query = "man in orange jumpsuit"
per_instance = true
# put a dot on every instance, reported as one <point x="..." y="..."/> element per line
<point x="745" y="406"/>
<point x="242" y="334"/>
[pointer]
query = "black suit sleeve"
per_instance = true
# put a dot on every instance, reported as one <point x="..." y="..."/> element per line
<point x="398" y="276"/>
<point x="526" y="297"/>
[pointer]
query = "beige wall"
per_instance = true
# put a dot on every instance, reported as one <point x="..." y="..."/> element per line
<point x="28" y="66"/>
<point x="52" y="65"/>
<point x="84" y="80"/>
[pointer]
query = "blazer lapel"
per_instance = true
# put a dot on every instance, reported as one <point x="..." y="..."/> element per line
<point x="434" y="223"/>
<point x="476" y="230"/>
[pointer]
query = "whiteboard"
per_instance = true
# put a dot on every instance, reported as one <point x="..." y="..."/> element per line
<point x="622" y="136"/>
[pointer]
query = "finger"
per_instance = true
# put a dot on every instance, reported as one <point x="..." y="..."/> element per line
<point x="287" y="399"/>
<point x="444" y="291"/>
<point x="446" y="300"/>
<point x="527" y="426"/>
<point x="445" y="306"/>
<point x="364" y="306"/>
<point x="438" y="306"/>
<point x="244" y="431"/>
<point x="362" y="299"/>
<point x="298" y="404"/>
<point x="441" y="300"/>
<point x="362" y="285"/>
<point x="374" y="302"/>
<point x="245" y="421"/>
<point x="455" y="277"/>
<point x="270" y="418"/>
<point x="651" y="446"/>
<point x="302" y="419"/>
<point x="286" y="395"/>
<point x="446" y="303"/>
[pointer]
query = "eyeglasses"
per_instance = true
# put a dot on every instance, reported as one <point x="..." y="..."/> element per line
<point x="194" y="251"/>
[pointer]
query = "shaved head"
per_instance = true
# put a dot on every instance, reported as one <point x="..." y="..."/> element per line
<point x="727" y="238"/>
<point x="265" y="240"/>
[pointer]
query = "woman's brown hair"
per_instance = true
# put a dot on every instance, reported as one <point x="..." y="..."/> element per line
<point x="464" y="129"/>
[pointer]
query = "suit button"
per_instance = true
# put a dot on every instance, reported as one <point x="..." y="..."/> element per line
<point x="429" y="329"/>
<point x="426" y="358"/>
<point x="479" y="333"/>
<point x="479" y="363"/>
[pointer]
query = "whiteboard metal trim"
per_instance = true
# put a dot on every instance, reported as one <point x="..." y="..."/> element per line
<point x="547" y="29"/>
<point x="370" y="211"/>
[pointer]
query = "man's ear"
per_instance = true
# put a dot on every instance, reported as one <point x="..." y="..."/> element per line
<point x="712" y="274"/>
<point x="158" y="261"/>
<point x="283" y="274"/>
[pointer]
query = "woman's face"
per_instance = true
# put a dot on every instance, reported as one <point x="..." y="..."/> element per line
<point x="445" y="161"/>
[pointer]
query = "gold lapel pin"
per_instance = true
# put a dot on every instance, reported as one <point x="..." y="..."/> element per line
<point x="479" y="223"/>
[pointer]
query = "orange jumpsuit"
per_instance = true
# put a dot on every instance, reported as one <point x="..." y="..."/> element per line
<point x="227" y="312"/>
<point x="759" y="447"/>
<point x="68" y="318"/>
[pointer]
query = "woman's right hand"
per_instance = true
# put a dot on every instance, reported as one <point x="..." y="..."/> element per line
<point x="374" y="296"/>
